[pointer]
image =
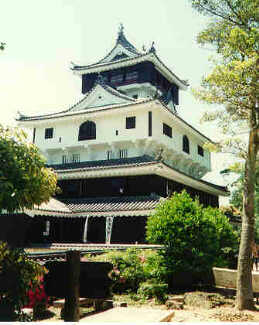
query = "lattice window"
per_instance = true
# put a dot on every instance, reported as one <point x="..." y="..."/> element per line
<point x="117" y="78"/>
<point x="76" y="157"/>
<point x="132" y="76"/>
<point x="131" y="122"/>
<point x="109" y="154"/>
<point x="87" y="131"/>
<point x="49" y="133"/>
<point x="123" y="153"/>
<point x="65" y="159"/>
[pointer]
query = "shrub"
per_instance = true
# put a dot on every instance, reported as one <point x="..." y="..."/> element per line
<point x="17" y="274"/>
<point x="194" y="237"/>
<point x="131" y="267"/>
<point x="151" y="289"/>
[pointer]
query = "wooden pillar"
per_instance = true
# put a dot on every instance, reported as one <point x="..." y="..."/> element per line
<point x="71" y="308"/>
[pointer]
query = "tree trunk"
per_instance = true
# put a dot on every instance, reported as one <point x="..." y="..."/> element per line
<point x="71" y="308"/>
<point x="244" y="299"/>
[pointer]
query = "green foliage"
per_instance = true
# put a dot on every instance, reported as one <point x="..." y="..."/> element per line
<point x="151" y="289"/>
<point x="234" y="34"/>
<point x="131" y="267"/>
<point x="194" y="237"/>
<point x="24" y="179"/>
<point x="17" y="275"/>
<point x="2" y="46"/>
<point x="233" y="83"/>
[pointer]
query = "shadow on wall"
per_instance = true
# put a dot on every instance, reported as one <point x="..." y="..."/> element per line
<point x="13" y="228"/>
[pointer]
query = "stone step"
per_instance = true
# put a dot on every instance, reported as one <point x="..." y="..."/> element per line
<point x="82" y="302"/>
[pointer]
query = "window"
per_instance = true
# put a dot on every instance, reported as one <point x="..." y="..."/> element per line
<point x="167" y="130"/>
<point x="109" y="154"/>
<point x="87" y="131"/>
<point x="132" y="76"/>
<point x="200" y="151"/>
<point x="46" y="232"/>
<point x="149" y="124"/>
<point x="117" y="78"/>
<point x="186" y="147"/>
<point x="48" y="133"/>
<point x="64" y="159"/>
<point x="34" y="135"/>
<point x="123" y="153"/>
<point x="105" y="78"/>
<point x="117" y="132"/>
<point x="131" y="122"/>
<point x="75" y="157"/>
<point x="135" y="96"/>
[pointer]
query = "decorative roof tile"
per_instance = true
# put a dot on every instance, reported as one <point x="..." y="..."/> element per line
<point x="134" y="161"/>
<point x="109" y="204"/>
<point x="53" y="205"/>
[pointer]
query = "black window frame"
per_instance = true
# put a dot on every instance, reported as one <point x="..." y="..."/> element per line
<point x="65" y="159"/>
<point x="200" y="150"/>
<point x="123" y="153"/>
<point x="186" y="144"/>
<point x="167" y="130"/>
<point x="131" y="122"/>
<point x="87" y="131"/>
<point x="49" y="133"/>
<point x="75" y="157"/>
<point x="131" y="76"/>
<point x="109" y="154"/>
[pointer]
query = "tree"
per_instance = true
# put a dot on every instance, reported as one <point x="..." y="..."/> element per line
<point x="236" y="198"/>
<point x="194" y="237"/>
<point x="24" y="179"/>
<point x="233" y="83"/>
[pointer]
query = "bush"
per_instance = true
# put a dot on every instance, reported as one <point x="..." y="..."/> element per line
<point x="131" y="267"/>
<point x="149" y="289"/>
<point x="194" y="237"/>
<point x="17" y="275"/>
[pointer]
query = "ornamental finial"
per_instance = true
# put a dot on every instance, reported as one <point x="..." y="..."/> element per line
<point x="121" y="29"/>
<point x="152" y="49"/>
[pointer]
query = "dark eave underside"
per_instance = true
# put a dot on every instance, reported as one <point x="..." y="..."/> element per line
<point x="125" y="162"/>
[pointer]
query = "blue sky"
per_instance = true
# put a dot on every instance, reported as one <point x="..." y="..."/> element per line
<point x="44" y="36"/>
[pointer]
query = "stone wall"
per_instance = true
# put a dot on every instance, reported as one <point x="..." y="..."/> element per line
<point x="226" y="278"/>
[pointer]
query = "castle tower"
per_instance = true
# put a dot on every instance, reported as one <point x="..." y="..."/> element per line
<point x="119" y="150"/>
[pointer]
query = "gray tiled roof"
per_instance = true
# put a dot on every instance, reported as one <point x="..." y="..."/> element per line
<point x="122" y="40"/>
<point x="145" y="159"/>
<point x="108" y="204"/>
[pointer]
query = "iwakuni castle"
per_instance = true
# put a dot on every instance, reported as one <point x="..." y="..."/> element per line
<point x="117" y="152"/>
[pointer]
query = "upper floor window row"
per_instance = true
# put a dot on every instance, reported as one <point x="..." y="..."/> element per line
<point x="186" y="147"/>
<point x="122" y="77"/>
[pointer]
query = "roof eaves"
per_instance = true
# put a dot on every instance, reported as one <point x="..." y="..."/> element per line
<point x="57" y="115"/>
<point x="105" y="167"/>
<point x="218" y="187"/>
<point x="183" y="121"/>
